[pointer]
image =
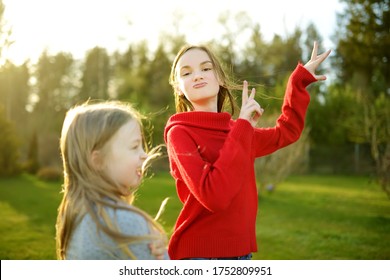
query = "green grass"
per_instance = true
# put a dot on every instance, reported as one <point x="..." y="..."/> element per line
<point x="307" y="217"/>
<point x="28" y="208"/>
<point x="319" y="217"/>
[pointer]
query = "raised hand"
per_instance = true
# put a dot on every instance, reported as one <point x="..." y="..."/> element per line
<point x="158" y="247"/>
<point x="250" y="109"/>
<point x="315" y="61"/>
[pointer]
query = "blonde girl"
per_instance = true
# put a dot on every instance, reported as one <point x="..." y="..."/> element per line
<point x="103" y="160"/>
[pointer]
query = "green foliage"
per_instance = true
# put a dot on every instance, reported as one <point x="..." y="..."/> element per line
<point x="36" y="97"/>
<point x="32" y="164"/>
<point x="364" y="43"/>
<point x="14" y="92"/>
<point x="329" y="119"/>
<point x="96" y="75"/>
<point x="9" y="145"/>
<point x="132" y="70"/>
<point x="54" y="92"/>
<point x="50" y="173"/>
<point x="363" y="58"/>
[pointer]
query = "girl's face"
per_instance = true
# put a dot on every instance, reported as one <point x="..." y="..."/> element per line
<point x="124" y="157"/>
<point x="197" y="80"/>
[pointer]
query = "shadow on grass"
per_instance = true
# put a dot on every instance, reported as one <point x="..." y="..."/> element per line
<point x="29" y="209"/>
<point x="33" y="198"/>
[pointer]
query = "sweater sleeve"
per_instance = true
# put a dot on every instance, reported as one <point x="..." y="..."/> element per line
<point x="214" y="185"/>
<point x="133" y="224"/>
<point x="291" y="122"/>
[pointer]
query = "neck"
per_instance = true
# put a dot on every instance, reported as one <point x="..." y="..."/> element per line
<point x="210" y="106"/>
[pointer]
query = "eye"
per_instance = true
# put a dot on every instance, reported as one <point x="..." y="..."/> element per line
<point x="185" y="74"/>
<point x="134" y="146"/>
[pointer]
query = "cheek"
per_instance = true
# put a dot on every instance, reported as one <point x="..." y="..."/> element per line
<point x="182" y="87"/>
<point x="217" y="79"/>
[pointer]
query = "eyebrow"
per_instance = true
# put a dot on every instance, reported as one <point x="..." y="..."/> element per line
<point x="202" y="63"/>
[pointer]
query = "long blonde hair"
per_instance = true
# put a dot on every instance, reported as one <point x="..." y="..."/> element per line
<point x="88" y="127"/>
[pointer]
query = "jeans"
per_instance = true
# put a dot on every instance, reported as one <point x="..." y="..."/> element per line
<point x="246" y="257"/>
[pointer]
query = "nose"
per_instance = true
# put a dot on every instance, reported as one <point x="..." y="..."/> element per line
<point x="198" y="75"/>
<point x="143" y="155"/>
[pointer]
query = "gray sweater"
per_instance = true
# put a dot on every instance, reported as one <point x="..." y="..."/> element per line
<point x="87" y="243"/>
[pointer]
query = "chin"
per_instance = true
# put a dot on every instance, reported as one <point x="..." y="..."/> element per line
<point x="128" y="190"/>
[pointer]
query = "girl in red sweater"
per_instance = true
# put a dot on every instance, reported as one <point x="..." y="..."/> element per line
<point x="212" y="156"/>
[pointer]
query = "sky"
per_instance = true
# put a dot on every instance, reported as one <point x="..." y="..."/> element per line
<point x="77" y="26"/>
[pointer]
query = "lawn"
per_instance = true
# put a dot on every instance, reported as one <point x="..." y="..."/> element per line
<point x="306" y="217"/>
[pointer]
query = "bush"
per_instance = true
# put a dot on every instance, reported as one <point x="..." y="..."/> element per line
<point x="50" y="173"/>
<point x="9" y="148"/>
<point x="32" y="164"/>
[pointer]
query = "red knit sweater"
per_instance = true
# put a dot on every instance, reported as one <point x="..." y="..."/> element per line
<point x="212" y="160"/>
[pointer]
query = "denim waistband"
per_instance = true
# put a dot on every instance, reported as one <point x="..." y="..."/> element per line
<point x="245" y="257"/>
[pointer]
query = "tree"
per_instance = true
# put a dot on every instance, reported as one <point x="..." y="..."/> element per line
<point x="159" y="92"/>
<point x="32" y="163"/>
<point x="9" y="148"/>
<point x="363" y="57"/>
<point x="235" y="26"/>
<point x="96" y="75"/>
<point x="54" y="90"/>
<point x="132" y="75"/>
<point x="284" y="53"/>
<point x="13" y="79"/>
<point x="14" y="92"/>
<point x="5" y="33"/>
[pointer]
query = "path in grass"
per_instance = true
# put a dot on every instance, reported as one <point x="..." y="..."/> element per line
<point x="307" y="217"/>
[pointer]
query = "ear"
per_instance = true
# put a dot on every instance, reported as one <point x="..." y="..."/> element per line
<point x="97" y="159"/>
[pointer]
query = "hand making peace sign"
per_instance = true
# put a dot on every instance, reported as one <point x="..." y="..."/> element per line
<point x="315" y="61"/>
<point x="251" y="110"/>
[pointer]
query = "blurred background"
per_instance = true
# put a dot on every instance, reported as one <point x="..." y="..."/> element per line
<point x="55" y="54"/>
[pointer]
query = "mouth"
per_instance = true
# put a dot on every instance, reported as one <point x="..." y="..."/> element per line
<point x="200" y="85"/>
<point x="139" y="171"/>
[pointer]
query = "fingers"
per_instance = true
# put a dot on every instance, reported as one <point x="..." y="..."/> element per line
<point x="250" y="109"/>
<point x="253" y="93"/>
<point x="251" y="112"/>
<point x="245" y="96"/>
<point x="323" y="56"/>
<point x="315" y="62"/>
<point x="320" y="77"/>
<point x="244" y="93"/>
<point x="158" y="249"/>
<point x="314" y="51"/>
<point x="256" y="110"/>
<point x="318" y="58"/>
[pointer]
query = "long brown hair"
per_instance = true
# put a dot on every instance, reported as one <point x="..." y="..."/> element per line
<point x="224" y="93"/>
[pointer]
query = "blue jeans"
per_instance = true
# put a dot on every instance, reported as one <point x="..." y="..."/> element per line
<point x="246" y="257"/>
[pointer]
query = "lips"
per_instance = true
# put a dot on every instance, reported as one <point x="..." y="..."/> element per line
<point x="200" y="85"/>
<point x="139" y="171"/>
